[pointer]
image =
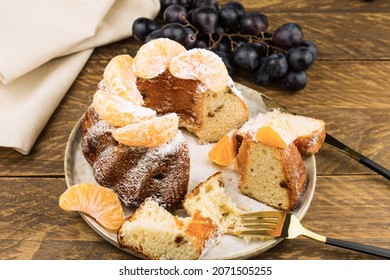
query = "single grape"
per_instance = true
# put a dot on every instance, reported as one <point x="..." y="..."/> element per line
<point x="260" y="48"/>
<point x="229" y="18"/>
<point x="165" y="3"/>
<point x="259" y="75"/>
<point x="288" y="35"/>
<point x="191" y="16"/>
<point x="253" y="23"/>
<point x="219" y="31"/>
<point x="142" y="27"/>
<point x="276" y="65"/>
<point x="206" y="19"/>
<point x="294" y="80"/>
<point x="154" y="35"/>
<point x="189" y="38"/>
<point x="175" y="13"/>
<point x="223" y="45"/>
<point x="173" y="31"/>
<point x="227" y="60"/>
<point x="246" y="56"/>
<point x="300" y="58"/>
<point x="312" y="47"/>
<point x="204" y="3"/>
<point x="201" y="43"/>
<point x="185" y="3"/>
<point x="268" y="35"/>
<point x="236" y="5"/>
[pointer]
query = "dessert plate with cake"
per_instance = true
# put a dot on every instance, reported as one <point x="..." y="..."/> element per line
<point x="157" y="133"/>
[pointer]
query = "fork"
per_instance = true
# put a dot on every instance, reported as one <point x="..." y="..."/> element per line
<point x="283" y="224"/>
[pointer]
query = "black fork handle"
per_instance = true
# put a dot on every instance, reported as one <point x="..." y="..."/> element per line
<point x="375" y="167"/>
<point x="375" y="251"/>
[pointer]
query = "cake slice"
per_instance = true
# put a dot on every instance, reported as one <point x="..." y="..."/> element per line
<point x="272" y="170"/>
<point x="211" y="199"/>
<point x="155" y="233"/>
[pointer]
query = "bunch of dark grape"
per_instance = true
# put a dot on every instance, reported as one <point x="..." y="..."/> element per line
<point x="239" y="37"/>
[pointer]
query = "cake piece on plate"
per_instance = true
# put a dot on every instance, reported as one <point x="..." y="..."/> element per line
<point x="155" y="233"/>
<point x="269" y="162"/>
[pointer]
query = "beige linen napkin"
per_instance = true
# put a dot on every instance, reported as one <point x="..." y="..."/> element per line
<point x="44" y="46"/>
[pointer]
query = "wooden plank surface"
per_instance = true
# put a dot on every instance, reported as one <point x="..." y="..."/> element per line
<point x="34" y="227"/>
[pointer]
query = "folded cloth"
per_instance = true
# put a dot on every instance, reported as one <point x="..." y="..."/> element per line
<point x="45" y="44"/>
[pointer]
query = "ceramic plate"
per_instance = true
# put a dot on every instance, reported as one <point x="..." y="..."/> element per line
<point x="77" y="170"/>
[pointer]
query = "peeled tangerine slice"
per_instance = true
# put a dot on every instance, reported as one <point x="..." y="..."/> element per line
<point x="116" y="111"/>
<point x="100" y="203"/>
<point x="277" y="132"/>
<point x="202" y="65"/>
<point x="225" y="150"/>
<point x="120" y="79"/>
<point x="154" y="57"/>
<point x="148" y="133"/>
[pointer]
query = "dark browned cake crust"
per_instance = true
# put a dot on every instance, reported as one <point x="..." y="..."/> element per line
<point x="136" y="173"/>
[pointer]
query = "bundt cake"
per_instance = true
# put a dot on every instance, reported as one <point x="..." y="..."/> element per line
<point x="157" y="234"/>
<point x="130" y="133"/>
<point x="269" y="164"/>
<point x="136" y="173"/>
<point x="212" y="200"/>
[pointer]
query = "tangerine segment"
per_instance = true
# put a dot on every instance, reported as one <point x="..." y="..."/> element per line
<point x="154" y="57"/>
<point x="277" y="133"/>
<point x="149" y="133"/>
<point x="120" y="79"/>
<point x="96" y="201"/>
<point x="116" y="111"/>
<point x="202" y="65"/>
<point x="225" y="150"/>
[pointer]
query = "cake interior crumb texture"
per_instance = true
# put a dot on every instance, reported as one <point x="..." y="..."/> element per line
<point x="211" y="199"/>
<point x="264" y="171"/>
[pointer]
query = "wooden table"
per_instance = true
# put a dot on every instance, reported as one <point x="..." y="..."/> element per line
<point x="349" y="88"/>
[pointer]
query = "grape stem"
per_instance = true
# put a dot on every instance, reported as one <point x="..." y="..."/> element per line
<point x="233" y="44"/>
<point x="188" y="24"/>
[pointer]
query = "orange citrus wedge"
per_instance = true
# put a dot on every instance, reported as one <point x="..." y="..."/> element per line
<point x="277" y="132"/>
<point x="116" y="111"/>
<point x="225" y="150"/>
<point x="96" y="201"/>
<point x="154" y="57"/>
<point x="202" y="65"/>
<point x="119" y="78"/>
<point x="148" y="133"/>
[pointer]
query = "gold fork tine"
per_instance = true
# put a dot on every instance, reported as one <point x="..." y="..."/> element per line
<point x="260" y="223"/>
<point x="263" y="220"/>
